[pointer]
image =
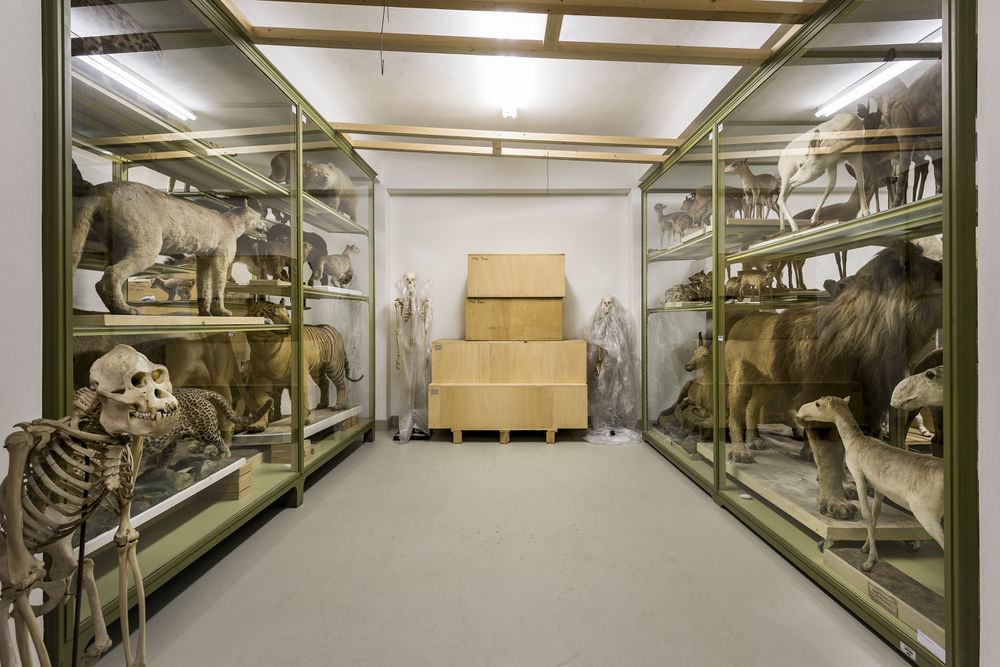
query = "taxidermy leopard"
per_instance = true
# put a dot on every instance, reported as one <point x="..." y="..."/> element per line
<point x="138" y="223"/>
<point x="270" y="365"/>
<point x="199" y="421"/>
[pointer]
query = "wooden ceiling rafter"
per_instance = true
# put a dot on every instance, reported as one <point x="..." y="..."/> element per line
<point x="747" y="11"/>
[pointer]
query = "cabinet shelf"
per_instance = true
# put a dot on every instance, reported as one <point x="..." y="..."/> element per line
<point x="681" y="308"/>
<point x="740" y="233"/>
<point x="917" y="220"/>
<point x="284" y="288"/>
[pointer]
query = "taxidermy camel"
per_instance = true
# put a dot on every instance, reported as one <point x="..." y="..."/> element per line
<point x="61" y="472"/>
<point x="914" y="481"/>
<point x="140" y="223"/>
<point x="861" y="342"/>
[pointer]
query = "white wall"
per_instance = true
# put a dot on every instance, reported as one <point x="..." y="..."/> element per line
<point x="989" y="334"/>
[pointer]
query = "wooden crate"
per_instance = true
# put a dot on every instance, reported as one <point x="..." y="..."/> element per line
<point x="513" y="319"/>
<point x="507" y="407"/>
<point x="517" y="276"/>
<point x="232" y="487"/>
<point x="494" y="362"/>
<point x="282" y="453"/>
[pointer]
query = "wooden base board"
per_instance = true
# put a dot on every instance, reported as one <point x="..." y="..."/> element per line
<point x="523" y="407"/>
<point x="110" y="320"/>
<point x="902" y="596"/>
<point x="280" y="432"/>
<point x="283" y="453"/>
<point x="235" y="486"/>
<point x="789" y="484"/>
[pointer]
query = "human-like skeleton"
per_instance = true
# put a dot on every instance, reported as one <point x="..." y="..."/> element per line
<point x="611" y="385"/>
<point x="413" y="321"/>
<point x="61" y="472"/>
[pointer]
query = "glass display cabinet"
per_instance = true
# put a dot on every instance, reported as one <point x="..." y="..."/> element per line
<point x="833" y="317"/>
<point x="215" y="223"/>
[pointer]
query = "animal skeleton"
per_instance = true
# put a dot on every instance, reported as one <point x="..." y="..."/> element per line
<point x="60" y="473"/>
<point x="819" y="151"/>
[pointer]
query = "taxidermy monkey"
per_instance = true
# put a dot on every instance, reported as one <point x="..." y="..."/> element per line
<point x="176" y="288"/>
<point x="145" y="223"/>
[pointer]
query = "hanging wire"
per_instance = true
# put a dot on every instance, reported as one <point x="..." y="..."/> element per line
<point x="381" y="35"/>
<point x="546" y="170"/>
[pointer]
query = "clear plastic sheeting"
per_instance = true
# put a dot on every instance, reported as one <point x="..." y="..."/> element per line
<point x="412" y="319"/>
<point x="611" y="374"/>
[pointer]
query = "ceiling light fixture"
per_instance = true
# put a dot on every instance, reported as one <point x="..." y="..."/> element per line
<point x="116" y="72"/>
<point x="871" y="81"/>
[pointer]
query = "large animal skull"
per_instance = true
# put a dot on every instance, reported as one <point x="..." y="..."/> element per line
<point x="135" y="393"/>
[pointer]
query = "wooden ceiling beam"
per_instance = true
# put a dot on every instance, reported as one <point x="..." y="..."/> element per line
<point x="553" y="28"/>
<point x="490" y="151"/>
<point x="499" y="135"/>
<point x="751" y="11"/>
<point x="529" y="48"/>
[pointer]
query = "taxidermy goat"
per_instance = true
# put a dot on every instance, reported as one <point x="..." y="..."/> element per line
<point x="323" y="180"/>
<point x="814" y="153"/>
<point x="914" y="481"/>
<point x="200" y="411"/>
<point x="336" y="268"/>
<point x="862" y="341"/>
<point x="60" y="473"/>
<point x="139" y="223"/>
<point x="270" y="367"/>
<point x="176" y="288"/>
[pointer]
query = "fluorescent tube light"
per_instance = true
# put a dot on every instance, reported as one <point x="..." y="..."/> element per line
<point x="862" y="88"/>
<point x="113" y="70"/>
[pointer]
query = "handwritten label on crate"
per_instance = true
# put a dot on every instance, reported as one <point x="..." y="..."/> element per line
<point x="884" y="599"/>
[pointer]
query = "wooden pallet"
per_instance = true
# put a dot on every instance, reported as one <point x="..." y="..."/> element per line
<point x="550" y="435"/>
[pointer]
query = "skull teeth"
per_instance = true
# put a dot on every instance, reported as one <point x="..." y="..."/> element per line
<point x="156" y="415"/>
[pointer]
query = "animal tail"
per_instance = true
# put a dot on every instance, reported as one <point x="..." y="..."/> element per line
<point x="238" y="421"/>
<point x="84" y="213"/>
<point x="347" y="372"/>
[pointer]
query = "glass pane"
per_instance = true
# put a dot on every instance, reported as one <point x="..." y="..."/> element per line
<point x="830" y="310"/>
<point x="679" y="215"/>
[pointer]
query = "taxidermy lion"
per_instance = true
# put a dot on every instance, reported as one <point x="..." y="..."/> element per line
<point x="860" y="343"/>
<point x="138" y="223"/>
<point x="271" y="361"/>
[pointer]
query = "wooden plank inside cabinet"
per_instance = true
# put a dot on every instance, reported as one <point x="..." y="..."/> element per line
<point x="529" y="407"/>
<point x="513" y="319"/>
<point x="493" y="362"/>
<point x="517" y="276"/>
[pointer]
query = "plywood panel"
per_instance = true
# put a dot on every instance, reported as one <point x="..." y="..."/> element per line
<point x="507" y="406"/>
<point x="517" y="276"/>
<point x="459" y="361"/>
<point x="513" y="319"/>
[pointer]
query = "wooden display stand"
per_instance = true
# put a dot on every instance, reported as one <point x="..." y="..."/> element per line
<point x="235" y="486"/>
<point x="513" y="372"/>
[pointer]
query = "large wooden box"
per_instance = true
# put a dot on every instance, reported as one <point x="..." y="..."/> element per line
<point x="507" y="407"/>
<point x="517" y="276"/>
<point x="494" y="362"/>
<point x="513" y="319"/>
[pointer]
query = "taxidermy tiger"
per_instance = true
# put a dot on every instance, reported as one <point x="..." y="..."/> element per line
<point x="323" y="180"/>
<point x="270" y="368"/>
<point x="199" y="421"/>
<point x="176" y="288"/>
<point x="138" y="223"/>
<point x="335" y="267"/>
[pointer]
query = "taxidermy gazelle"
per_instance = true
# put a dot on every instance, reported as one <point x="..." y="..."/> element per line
<point x="61" y="471"/>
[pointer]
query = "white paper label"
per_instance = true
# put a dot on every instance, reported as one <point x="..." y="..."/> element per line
<point x="908" y="651"/>
<point x="931" y="645"/>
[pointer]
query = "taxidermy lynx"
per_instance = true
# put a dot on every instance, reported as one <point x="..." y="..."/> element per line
<point x="199" y="421"/>
<point x="176" y="288"/>
<point x="335" y="267"/>
<point x="138" y="223"/>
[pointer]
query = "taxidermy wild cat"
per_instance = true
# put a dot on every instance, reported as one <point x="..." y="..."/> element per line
<point x="335" y="267"/>
<point x="323" y="180"/>
<point x="176" y="288"/>
<point x="138" y="223"/>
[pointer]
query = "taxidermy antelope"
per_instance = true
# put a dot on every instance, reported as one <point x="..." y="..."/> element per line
<point x="60" y="473"/>
<point x="814" y="153"/>
<point x="915" y="481"/>
<point x="759" y="190"/>
<point x="672" y="224"/>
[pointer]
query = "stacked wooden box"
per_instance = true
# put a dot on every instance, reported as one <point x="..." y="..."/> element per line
<point x="513" y="372"/>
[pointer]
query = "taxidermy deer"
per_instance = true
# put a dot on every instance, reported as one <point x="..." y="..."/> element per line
<point x="60" y="472"/>
<point x="759" y="190"/>
<point x="673" y="224"/>
<point x="814" y="153"/>
<point x="914" y="481"/>
<point x="905" y="108"/>
<point x="144" y="223"/>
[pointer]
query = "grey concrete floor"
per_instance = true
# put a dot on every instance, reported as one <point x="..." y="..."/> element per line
<point x="517" y="555"/>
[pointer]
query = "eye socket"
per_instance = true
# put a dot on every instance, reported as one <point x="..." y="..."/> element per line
<point x="138" y="380"/>
<point x="157" y="375"/>
<point x="817" y="404"/>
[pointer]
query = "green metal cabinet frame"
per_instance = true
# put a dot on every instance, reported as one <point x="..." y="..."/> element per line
<point x="960" y="331"/>
<point x="57" y="324"/>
